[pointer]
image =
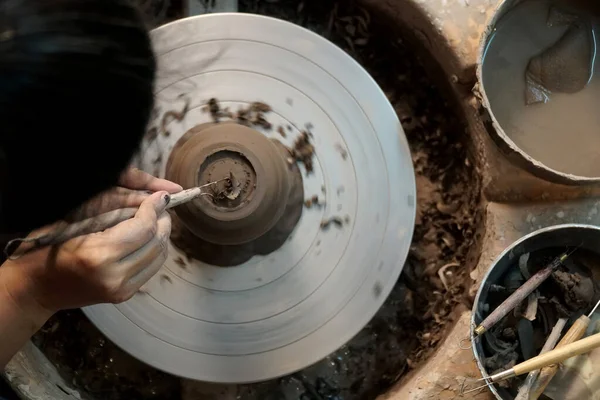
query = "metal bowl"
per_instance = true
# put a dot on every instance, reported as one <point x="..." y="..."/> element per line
<point x="585" y="236"/>
<point x="507" y="145"/>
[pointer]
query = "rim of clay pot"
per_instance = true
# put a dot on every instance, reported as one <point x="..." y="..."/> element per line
<point x="509" y="148"/>
<point x="263" y="208"/>
<point x="582" y="235"/>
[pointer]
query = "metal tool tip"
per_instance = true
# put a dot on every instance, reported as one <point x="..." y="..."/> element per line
<point x="480" y="330"/>
<point x="594" y="309"/>
<point x="462" y="388"/>
<point x="474" y="389"/>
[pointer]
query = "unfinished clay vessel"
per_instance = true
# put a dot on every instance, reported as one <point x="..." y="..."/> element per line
<point x="255" y="204"/>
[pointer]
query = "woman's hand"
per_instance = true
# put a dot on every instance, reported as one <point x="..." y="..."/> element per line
<point x="134" y="187"/>
<point x="106" y="267"/>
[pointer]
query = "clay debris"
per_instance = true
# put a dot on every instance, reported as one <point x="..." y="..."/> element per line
<point x="166" y="119"/>
<point x="336" y="221"/>
<point x="230" y="188"/>
<point x="314" y="202"/>
<point x="254" y="115"/>
<point x="303" y="151"/>
<point x="578" y="291"/>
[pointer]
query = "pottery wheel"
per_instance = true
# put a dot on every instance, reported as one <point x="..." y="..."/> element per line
<point x="280" y="312"/>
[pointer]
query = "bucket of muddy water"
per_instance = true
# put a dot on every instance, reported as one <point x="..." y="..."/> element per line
<point x="569" y="292"/>
<point x="539" y="85"/>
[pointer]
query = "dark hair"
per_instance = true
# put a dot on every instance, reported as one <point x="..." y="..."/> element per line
<point x="76" y="92"/>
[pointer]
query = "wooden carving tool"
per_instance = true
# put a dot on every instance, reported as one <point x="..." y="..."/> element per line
<point x="525" y="389"/>
<point x="555" y="356"/>
<point x="575" y="333"/>
<point x="92" y="225"/>
<point x="520" y="294"/>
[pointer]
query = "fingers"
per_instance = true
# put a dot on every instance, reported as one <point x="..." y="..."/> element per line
<point x="131" y="235"/>
<point x="144" y="264"/>
<point x="137" y="185"/>
<point x="140" y="180"/>
<point x="106" y="267"/>
<point x="110" y="267"/>
<point x="110" y="200"/>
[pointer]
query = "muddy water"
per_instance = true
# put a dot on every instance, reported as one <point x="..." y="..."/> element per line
<point x="564" y="133"/>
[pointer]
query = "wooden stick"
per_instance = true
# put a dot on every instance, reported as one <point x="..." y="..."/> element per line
<point x="519" y="295"/>
<point x="574" y="333"/>
<point x="558" y="355"/>
<point x="524" y="390"/>
<point x="95" y="224"/>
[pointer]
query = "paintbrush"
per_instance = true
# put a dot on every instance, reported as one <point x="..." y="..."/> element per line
<point x="521" y="293"/>
<point x="575" y="333"/>
<point x="525" y="389"/>
<point x="552" y="357"/>
<point x="93" y="225"/>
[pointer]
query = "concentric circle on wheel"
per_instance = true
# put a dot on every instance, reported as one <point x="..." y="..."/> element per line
<point x="278" y="313"/>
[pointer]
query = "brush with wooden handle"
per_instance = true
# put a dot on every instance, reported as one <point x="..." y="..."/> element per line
<point x="551" y="342"/>
<point x="574" y="333"/>
<point x="521" y="293"/>
<point x="92" y="225"/>
<point x="555" y="356"/>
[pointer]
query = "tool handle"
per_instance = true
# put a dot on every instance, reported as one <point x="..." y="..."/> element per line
<point x="65" y="232"/>
<point x="559" y="354"/>
<point x="95" y="224"/>
<point x="575" y="333"/>
<point x="185" y="196"/>
<point x="551" y="342"/>
<point x="516" y="298"/>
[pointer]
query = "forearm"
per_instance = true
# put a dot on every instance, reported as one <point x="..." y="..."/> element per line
<point x="20" y="315"/>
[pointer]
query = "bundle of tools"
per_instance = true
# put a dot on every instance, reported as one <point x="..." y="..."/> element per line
<point x="542" y="368"/>
<point x="17" y="247"/>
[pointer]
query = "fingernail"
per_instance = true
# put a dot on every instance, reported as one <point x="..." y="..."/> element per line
<point x="167" y="199"/>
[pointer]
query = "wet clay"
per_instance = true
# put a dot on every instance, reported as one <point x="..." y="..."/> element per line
<point x="211" y="153"/>
<point x="565" y="67"/>
<point x="231" y="255"/>
<point x="578" y="290"/>
<point x="254" y="205"/>
<point x="237" y="188"/>
<point x="562" y="133"/>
